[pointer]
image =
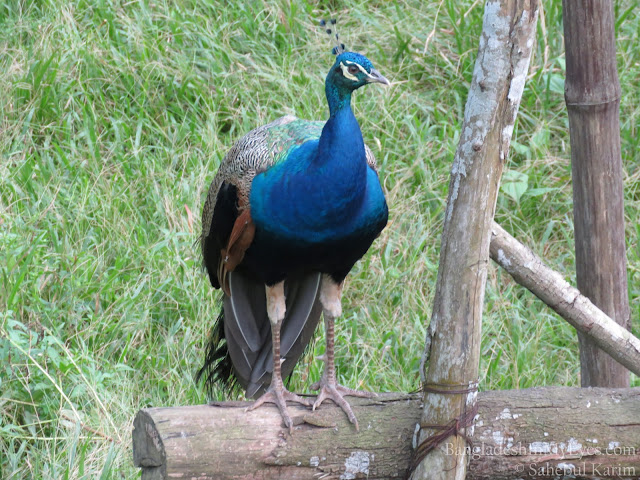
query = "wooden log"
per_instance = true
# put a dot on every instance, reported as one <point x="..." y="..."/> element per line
<point x="592" y="93"/>
<point x="529" y="270"/>
<point x="532" y="433"/>
<point x="453" y="339"/>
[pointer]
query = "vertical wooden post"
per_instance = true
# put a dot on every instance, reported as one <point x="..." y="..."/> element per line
<point x="592" y="94"/>
<point x="453" y="340"/>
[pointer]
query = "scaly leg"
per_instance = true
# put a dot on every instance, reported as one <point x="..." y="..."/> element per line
<point x="277" y="393"/>
<point x="330" y="296"/>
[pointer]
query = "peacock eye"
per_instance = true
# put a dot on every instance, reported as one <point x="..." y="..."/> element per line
<point x="353" y="69"/>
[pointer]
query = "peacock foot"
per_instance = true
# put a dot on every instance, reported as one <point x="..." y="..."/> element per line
<point x="335" y="392"/>
<point x="279" y="396"/>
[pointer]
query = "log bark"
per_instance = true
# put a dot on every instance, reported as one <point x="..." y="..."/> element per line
<point x="529" y="270"/>
<point x="533" y="433"/>
<point x="453" y="340"/>
<point x="592" y="93"/>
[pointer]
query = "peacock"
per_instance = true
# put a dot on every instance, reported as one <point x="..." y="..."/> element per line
<point x="293" y="206"/>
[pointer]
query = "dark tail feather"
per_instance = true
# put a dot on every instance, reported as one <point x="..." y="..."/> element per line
<point x="239" y="350"/>
<point x="217" y="366"/>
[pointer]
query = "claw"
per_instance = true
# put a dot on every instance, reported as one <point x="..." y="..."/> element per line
<point x="336" y="393"/>
<point x="279" y="397"/>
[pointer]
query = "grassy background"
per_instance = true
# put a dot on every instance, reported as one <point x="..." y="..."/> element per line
<point x="114" y="116"/>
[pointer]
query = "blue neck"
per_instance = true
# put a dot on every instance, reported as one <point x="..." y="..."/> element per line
<point x="317" y="192"/>
<point x="341" y="144"/>
<point x="337" y="98"/>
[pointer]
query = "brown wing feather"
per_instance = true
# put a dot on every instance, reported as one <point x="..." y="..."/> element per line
<point x="239" y="241"/>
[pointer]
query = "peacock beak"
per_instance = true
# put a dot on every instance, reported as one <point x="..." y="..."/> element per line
<point x="376" y="77"/>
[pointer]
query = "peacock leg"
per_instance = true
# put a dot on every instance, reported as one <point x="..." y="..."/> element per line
<point x="330" y="297"/>
<point x="277" y="393"/>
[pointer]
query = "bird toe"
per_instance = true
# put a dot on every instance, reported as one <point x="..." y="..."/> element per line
<point x="336" y="393"/>
<point x="279" y="397"/>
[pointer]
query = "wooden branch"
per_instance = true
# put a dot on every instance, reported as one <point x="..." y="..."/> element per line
<point x="453" y="339"/>
<point x="592" y="94"/>
<point x="529" y="270"/>
<point x="533" y="433"/>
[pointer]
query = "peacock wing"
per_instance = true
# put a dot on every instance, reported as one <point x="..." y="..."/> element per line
<point x="228" y="193"/>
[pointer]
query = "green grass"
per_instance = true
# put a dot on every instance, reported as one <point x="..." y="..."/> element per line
<point x="114" y="117"/>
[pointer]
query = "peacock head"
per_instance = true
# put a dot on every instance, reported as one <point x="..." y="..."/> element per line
<point x="352" y="71"/>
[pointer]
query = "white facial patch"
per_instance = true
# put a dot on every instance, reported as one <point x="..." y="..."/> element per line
<point x="362" y="69"/>
<point x="345" y="70"/>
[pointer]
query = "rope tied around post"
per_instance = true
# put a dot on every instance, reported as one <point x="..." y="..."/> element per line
<point x="456" y="427"/>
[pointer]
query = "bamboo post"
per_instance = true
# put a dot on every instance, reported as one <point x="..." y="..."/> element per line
<point x="453" y="340"/>
<point x="592" y="94"/>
